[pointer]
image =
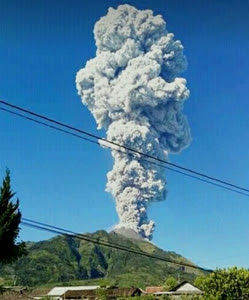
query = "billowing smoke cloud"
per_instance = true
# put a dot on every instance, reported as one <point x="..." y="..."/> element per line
<point x="132" y="89"/>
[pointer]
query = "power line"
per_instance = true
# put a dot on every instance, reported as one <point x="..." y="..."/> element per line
<point x="122" y="146"/>
<point x="43" y="226"/>
<point x="120" y="151"/>
<point x="133" y="151"/>
<point x="48" y="125"/>
<point x="68" y="233"/>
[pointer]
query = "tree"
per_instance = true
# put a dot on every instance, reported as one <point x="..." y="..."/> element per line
<point x="102" y="293"/>
<point x="193" y="297"/>
<point x="10" y="218"/>
<point x="170" y="283"/>
<point x="200" y="282"/>
<point x="226" y="284"/>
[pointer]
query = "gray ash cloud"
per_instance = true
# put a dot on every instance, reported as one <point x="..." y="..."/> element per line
<point x="133" y="90"/>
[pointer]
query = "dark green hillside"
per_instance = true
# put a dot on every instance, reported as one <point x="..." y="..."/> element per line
<point x="65" y="259"/>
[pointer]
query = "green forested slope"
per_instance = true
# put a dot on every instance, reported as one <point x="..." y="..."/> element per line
<point x="65" y="259"/>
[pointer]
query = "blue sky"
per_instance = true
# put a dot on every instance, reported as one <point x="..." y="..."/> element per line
<point x="60" y="180"/>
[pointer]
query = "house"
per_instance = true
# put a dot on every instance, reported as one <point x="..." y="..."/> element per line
<point x="109" y="292"/>
<point x="184" y="288"/>
<point x="58" y="293"/>
<point x="115" y="292"/>
<point x="79" y="294"/>
<point x="92" y="292"/>
<point x="38" y="293"/>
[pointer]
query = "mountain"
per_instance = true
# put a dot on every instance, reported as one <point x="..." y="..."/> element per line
<point x="66" y="259"/>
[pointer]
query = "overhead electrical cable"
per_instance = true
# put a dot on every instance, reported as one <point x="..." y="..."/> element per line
<point x="68" y="233"/>
<point x="151" y="159"/>
<point x="48" y="125"/>
<point x="118" y="150"/>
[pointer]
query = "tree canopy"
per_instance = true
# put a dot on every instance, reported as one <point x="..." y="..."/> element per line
<point x="225" y="284"/>
<point x="10" y="218"/>
<point x="169" y="283"/>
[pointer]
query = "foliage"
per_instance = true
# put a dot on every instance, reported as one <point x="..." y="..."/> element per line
<point x="165" y="297"/>
<point x="1" y="289"/>
<point x="200" y="282"/>
<point x="101" y="293"/>
<point x="193" y="297"/>
<point x="10" y="218"/>
<point x="170" y="283"/>
<point x="226" y="284"/>
<point x="142" y="297"/>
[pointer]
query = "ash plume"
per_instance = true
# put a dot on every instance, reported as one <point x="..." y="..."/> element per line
<point x="133" y="90"/>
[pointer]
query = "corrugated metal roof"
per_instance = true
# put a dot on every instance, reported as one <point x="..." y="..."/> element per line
<point x="185" y="286"/>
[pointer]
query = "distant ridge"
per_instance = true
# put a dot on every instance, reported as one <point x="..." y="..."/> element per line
<point x="69" y="260"/>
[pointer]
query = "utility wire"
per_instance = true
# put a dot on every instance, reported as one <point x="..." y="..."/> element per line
<point x="48" y="125"/>
<point x="58" y="230"/>
<point x="139" y="158"/>
<point x="118" y="150"/>
<point x="68" y="233"/>
<point x="122" y="146"/>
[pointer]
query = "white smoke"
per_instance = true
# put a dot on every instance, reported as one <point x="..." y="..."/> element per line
<point x="132" y="89"/>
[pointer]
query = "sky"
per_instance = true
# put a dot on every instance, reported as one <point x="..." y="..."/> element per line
<point x="61" y="180"/>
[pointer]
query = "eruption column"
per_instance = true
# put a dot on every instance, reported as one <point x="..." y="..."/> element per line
<point x="132" y="89"/>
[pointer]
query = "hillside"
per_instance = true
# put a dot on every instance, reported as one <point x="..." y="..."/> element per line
<point x="66" y="259"/>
